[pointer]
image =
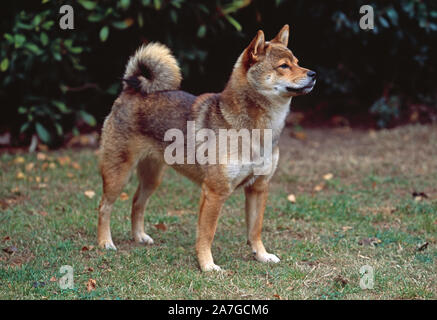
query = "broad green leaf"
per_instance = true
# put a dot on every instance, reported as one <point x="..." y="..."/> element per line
<point x="89" y="5"/>
<point x="157" y="4"/>
<point x="47" y="25"/>
<point x="24" y="127"/>
<point x="75" y="131"/>
<point x="88" y="118"/>
<point x="22" y="110"/>
<point x="33" y="48"/>
<point x="57" y="56"/>
<point x="173" y="16"/>
<point x="44" y="38"/>
<point x="121" y="24"/>
<point x="104" y="33"/>
<point x="393" y="15"/>
<point x="4" y="65"/>
<point x="37" y="20"/>
<point x="24" y="26"/>
<point x="95" y="17"/>
<point x="61" y="106"/>
<point x="59" y="130"/>
<point x="9" y="37"/>
<point x="124" y="4"/>
<point x="68" y="43"/>
<point x="76" y="50"/>
<point x="140" y="20"/>
<point x="176" y="3"/>
<point x="201" y="31"/>
<point x="42" y="132"/>
<point x="383" y="22"/>
<point x="19" y="40"/>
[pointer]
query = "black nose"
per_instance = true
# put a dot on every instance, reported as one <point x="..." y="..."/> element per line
<point x="311" y="74"/>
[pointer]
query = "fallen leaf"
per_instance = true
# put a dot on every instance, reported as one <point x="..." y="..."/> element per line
<point x="19" y="160"/>
<point x="41" y="156"/>
<point x="87" y="248"/>
<point x="328" y="176"/>
<point x="52" y="165"/>
<point x="53" y="279"/>
<point x="90" y="194"/>
<point x="75" y="165"/>
<point x="20" y="175"/>
<point x="300" y="135"/>
<point x="319" y="187"/>
<point x="346" y="228"/>
<point x="277" y="296"/>
<point x="38" y="179"/>
<point x="161" y="226"/>
<point x="64" y="160"/>
<point x="291" y="198"/>
<point x="91" y="285"/>
<point x="43" y="147"/>
<point x="30" y="166"/>
<point x="10" y="249"/>
<point x="70" y="175"/>
<point x="43" y="213"/>
<point x="414" y="117"/>
<point x="124" y="196"/>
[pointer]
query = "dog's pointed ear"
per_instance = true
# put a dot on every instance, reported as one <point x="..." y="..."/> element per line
<point x="256" y="47"/>
<point x="282" y="36"/>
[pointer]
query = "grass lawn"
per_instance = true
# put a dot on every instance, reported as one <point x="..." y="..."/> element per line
<point x="364" y="215"/>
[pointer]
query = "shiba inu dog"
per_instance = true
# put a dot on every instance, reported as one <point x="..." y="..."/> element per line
<point x="257" y="96"/>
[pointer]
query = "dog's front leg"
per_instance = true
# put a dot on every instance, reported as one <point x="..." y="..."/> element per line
<point x="256" y="198"/>
<point x="211" y="204"/>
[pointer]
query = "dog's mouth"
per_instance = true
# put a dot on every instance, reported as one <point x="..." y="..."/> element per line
<point x="306" y="88"/>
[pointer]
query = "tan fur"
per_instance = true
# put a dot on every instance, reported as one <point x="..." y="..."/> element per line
<point x="257" y="96"/>
<point x="165" y="73"/>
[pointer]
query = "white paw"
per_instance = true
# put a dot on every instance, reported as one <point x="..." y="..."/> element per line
<point x="267" y="257"/>
<point x="107" y="244"/>
<point x="143" y="238"/>
<point x="211" y="267"/>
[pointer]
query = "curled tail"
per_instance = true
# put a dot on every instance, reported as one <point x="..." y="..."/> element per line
<point x="152" y="68"/>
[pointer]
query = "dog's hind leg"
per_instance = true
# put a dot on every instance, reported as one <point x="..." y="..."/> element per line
<point x="115" y="168"/>
<point x="149" y="175"/>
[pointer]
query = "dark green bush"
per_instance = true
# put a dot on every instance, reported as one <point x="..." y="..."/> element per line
<point x="46" y="71"/>
<point x="54" y="82"/>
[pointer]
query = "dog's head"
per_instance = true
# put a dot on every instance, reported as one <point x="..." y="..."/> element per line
<point x="273" y="70"/>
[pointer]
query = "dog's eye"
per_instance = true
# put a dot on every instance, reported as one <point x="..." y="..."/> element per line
<point x="284" y="66"/>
